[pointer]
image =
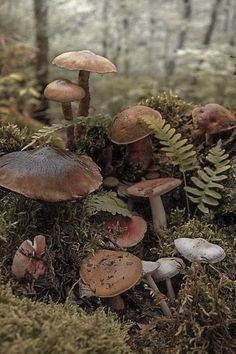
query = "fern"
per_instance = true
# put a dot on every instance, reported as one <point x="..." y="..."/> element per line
<point x="176" y="148"/>
<point x="89" y="122"/>
<point x="208" y="180"/>
<point x="106" y="202"/>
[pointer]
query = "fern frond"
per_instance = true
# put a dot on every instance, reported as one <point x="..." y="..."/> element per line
<point x="206" y="182"/>
<point x="89" y="122"/>
<point x="106" y="202"/>
<point x="175" y="146"/>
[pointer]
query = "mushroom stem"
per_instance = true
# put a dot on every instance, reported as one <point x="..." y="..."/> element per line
<point x="117" y="303"/>
<point x="83" y="81"/>
<point x="163" y="304"/>
<point x="158" y="213"/>
<point x="170" y="289"/>
<point x="140" y="153"/>
<point x="68" y="115"/>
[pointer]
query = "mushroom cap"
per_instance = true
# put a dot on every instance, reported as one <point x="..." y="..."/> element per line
<point x="84" y="60"/>
<point x="150" y="267"/>
<point x="49" y="174"/>
<point x="128" y="126"/>
<point x="213" y="118"/>
<point x="149" y="188"/>
<point x="169" y="267"/>
<point x="199" y="250"/>
<point x="39" y="245"/>
<point x="110" y="273"/>
<point x="64" y="91"/>
<point x="127" y="231"/>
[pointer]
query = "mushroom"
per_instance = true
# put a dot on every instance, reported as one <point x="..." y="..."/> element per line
<point x="169" y="267"/>
<point x="110" y="182"/>
<point x="212" y="119"/>
<point x="199" y="250"/>
<point x="149" y="269"/>
<point x="126" y="232"/>
<point x="49" y="174"/>
<point x="85" y="61"/>
<point x="65" y="92"/>
<point x="128" y="128"/>
<point x="154" y="189"/>
<point x="111" y="273"/>
<point x="29" y="258"/>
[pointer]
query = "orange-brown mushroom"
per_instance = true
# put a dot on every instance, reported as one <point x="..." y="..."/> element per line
<point x="212" y="119"/>
<point x="49" y="174"/>
<point x="65" y="92"/>
<point x="128" y="128"/>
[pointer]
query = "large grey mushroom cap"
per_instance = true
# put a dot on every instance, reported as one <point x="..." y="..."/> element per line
<point x="49" y="174"/>
<point x="199" y="250"/>
<point x="169" y="267"/>
<point x="149" y="267"/>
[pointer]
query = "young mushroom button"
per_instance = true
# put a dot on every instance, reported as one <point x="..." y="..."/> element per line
<point x="128" y="128"/>
<point x="199" y="250"/>
<point x="65" y="92"/>
<point x="154" y="189"/>
<point x="49" y="174"/>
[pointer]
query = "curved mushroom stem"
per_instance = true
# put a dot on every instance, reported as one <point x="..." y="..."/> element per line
<point x="170" y="289"/>
<point x="117" y="303"/>
<point x="83" y="81"/>
<point x="158" y="213"/>
<point x="163" y="304"/>
<point x="140" y="153"/>
<point x="68" y="115"/>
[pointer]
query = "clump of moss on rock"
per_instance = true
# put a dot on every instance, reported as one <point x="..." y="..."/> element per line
<point x="37" y="328"/>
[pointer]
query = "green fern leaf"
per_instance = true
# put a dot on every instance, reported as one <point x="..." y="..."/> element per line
<point x="176" y="148"/>
<point x="208" y="179"/>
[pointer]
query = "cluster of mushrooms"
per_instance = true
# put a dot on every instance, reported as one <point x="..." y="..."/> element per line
<point x="55" y="175"/>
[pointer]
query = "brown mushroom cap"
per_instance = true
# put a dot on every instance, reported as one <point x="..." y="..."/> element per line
<point x="63" y="91"/>
<point x="213" y="118"/>
<point x="153" y="187"/>
<point x="84" y="60"/>
<point x="110" y="273"/>
<point x="127" y="232"/>
<point x="128" y="127"/>
<point x="49" y="174"/>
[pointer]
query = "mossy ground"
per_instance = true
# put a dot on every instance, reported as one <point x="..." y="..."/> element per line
<point x="204" y="312"/>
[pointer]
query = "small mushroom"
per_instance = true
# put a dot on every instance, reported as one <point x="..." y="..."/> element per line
<point x="154" y="189"/>
<point x="65" y="92"/>
<point x="169" y="267"/>
<point x="111" y="273"/>
<point x="199" y="250"/>
<point x="29" y="258"/>
<point x="85" y="62"/>
<point x="110" y="182"/>
<point x="212" y="119"/>
<point x="126" y="232"/>
<point x="149" y="269"/>
<point x="128" y="128"/>
<point x="49" y="174"/>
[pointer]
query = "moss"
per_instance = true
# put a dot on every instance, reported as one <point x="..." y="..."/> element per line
<point x="28" y="327"/>
<point x="12" y="138"/>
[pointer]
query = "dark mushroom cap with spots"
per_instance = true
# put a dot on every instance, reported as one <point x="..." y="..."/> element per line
<point x="49" y="174"/>
<point x="128" y="126"/>
<point x="64" y="91"/>
<point x="213" y="118"/>
<point x="84" y="60"/>
<point x="110" y="273"/>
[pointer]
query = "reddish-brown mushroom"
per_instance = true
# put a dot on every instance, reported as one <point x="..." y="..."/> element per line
<point x="49" y="174"/>
<point x="128" y="128"/>
<point x="126" y="232"/>
<point x="212" y="119"/>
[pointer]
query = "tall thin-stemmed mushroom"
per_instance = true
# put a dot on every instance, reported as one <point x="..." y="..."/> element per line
<point x="65" y="92"/>
<point x="85" y="62"/>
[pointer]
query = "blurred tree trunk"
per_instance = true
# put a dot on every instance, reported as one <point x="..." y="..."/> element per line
<point x="186" y="17"/>
<point x="105" y="35"/>
<point x="41" y="40"/>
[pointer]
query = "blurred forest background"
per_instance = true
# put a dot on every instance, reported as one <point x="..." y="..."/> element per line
<point x="184" y="45"/>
